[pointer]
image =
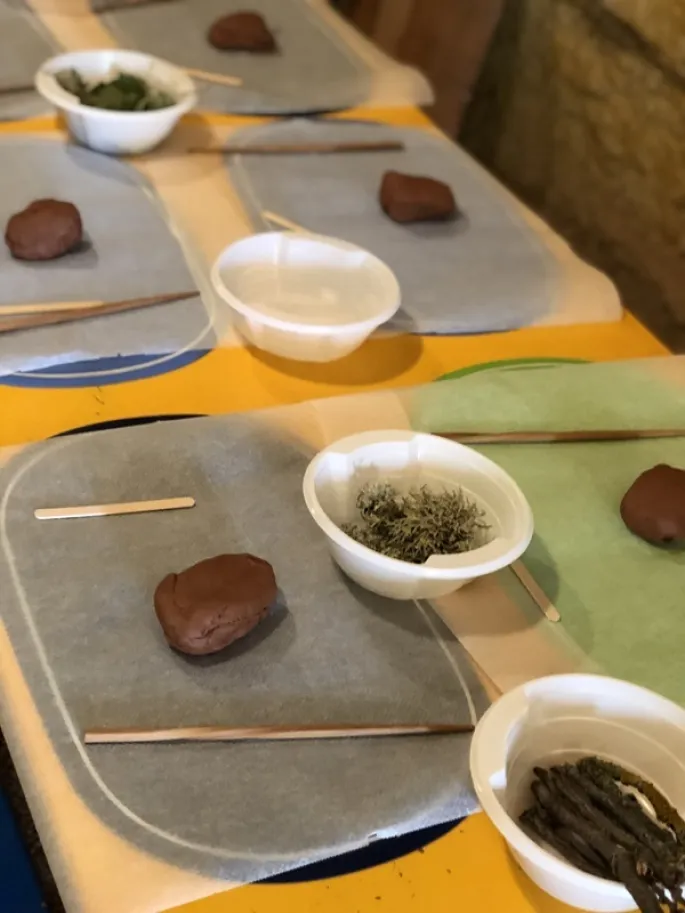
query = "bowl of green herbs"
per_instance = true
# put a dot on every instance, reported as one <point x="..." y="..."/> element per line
<point x="415" y="516"/>
<point x="116" y="102"/>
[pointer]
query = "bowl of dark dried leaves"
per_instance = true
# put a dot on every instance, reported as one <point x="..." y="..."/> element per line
<point x="584" y="777"/>
<point x="116" y="102"/>
<point x="415" y="516"/>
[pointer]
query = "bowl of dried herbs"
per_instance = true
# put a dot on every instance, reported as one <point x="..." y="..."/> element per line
<point x="415" y="516"/>
<point x="116" y="102"/>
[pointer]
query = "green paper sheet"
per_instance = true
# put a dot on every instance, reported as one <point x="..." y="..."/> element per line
<point x="622" y="601"/>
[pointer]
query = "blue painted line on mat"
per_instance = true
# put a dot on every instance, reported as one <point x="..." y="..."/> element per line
<point x="368" y="857"/>
<point x="102" y="372"/>
<point x="19" y="890"/>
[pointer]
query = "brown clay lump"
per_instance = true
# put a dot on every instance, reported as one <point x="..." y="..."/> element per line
<point x="215" y="602"/>
<point x="411" y="198"/>
<point x="654" y="505"/>
<point x="45" y="230"/>
<point x="243" y="31"/>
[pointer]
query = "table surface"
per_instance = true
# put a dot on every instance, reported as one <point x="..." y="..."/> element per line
<point x="469" y="865"/>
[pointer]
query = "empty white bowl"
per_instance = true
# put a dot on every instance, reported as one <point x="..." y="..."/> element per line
<point x="407" y="459"/>
<point x="304" y="296"/>
<point x="560" y="719"/>
<point x="117" y="132"/>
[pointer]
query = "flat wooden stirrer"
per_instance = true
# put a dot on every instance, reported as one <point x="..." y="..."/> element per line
<point x="288" y="224"/>
<point x="535" y="591"/>
<point x="218" y="78"/>
<point x="269" y="733"/>
<point x="112" y="510"/>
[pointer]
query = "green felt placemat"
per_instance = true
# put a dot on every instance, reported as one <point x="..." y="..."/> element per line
<point x="622" y="601"/>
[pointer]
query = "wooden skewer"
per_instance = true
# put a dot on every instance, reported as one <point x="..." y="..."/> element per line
<point x="124" y="4"/>
<point x="10" y="90"/>
<point x="26" y="317"/>
<point x="535" y="591"/>
<point x="299" y="148"/>
<point x="268" y="733"/>
<point x="112" y="510"/>
<point x="218" y="78"/>
<point x="282" y="221"/>
<point x="559" y="437"/>
<point x="58" y="307"/>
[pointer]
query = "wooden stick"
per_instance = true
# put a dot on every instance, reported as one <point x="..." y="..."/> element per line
<point x="282" y="221"/>
<point x="10" y="90"/>
<point x="125" y="4"/>
<point x="268" y="733"/>
<point x="539" y="597"/>
<point x="559" y="437"/>
<point x="299" y="148"/>
<point x="40" y="315"/>
<point x="112" y="510"/>
<point x="58" y="307"/>
<point x="218" y="78"/>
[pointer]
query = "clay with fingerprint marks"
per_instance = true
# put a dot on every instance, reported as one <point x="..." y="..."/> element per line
<point x="215" y="602"/>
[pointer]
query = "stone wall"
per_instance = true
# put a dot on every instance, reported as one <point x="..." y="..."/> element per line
<point x="581" y="110"/>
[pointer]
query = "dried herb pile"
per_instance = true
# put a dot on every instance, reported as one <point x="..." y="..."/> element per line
<point x="586" y="814"/>
<point x="123" y="93"/>
<point x="416" y="525"/>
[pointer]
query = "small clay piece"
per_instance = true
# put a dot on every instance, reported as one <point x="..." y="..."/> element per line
<point x="209" y="605"/>
<point x="242" y="32"/>
<point x="654" y="505"/>
<point x="410" y="198"/>
<point x="46" y="229"/>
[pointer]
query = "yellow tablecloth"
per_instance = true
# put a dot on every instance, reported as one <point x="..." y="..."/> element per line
<point x="469" y="868"/>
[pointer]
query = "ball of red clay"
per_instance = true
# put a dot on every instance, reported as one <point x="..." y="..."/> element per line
<point x="653" y="508"/>
<point x="215" y="602"/>
<point x="45" y="230"/>
<point x="412" y="198"/>
<point x="242" y="32"/>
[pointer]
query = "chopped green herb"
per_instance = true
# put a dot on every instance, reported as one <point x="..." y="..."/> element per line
<point x="123" y="93"/>
<point x="421" y="523"/>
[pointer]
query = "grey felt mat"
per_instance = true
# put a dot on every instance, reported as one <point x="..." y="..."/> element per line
<point x="130" y="253"/>
<point x="82" y="625"/>
<point x="487" y="271"/>
<point x="24" y="46"/>
<point x="313" y="71"/>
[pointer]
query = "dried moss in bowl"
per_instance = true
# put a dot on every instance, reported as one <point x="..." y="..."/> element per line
<point x="125" y="92"/>
<point x="413" y="526"/>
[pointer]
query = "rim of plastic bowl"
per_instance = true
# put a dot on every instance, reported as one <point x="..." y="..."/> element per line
<point x="292" y="326"/>
<point x="501" y="558"/>
<point x="47" y="86"/>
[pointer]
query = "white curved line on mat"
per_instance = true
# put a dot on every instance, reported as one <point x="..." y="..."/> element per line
<point x="72" y="730"/>
<point x="210" y="311"/>
<point x="452" y="660"/>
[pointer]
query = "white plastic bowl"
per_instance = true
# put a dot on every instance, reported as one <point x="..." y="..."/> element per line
<point x="407" y="459"/>
<point x="560" y="719"/>
<point x="117" y="132"/>
<point x="303" y="296"/>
